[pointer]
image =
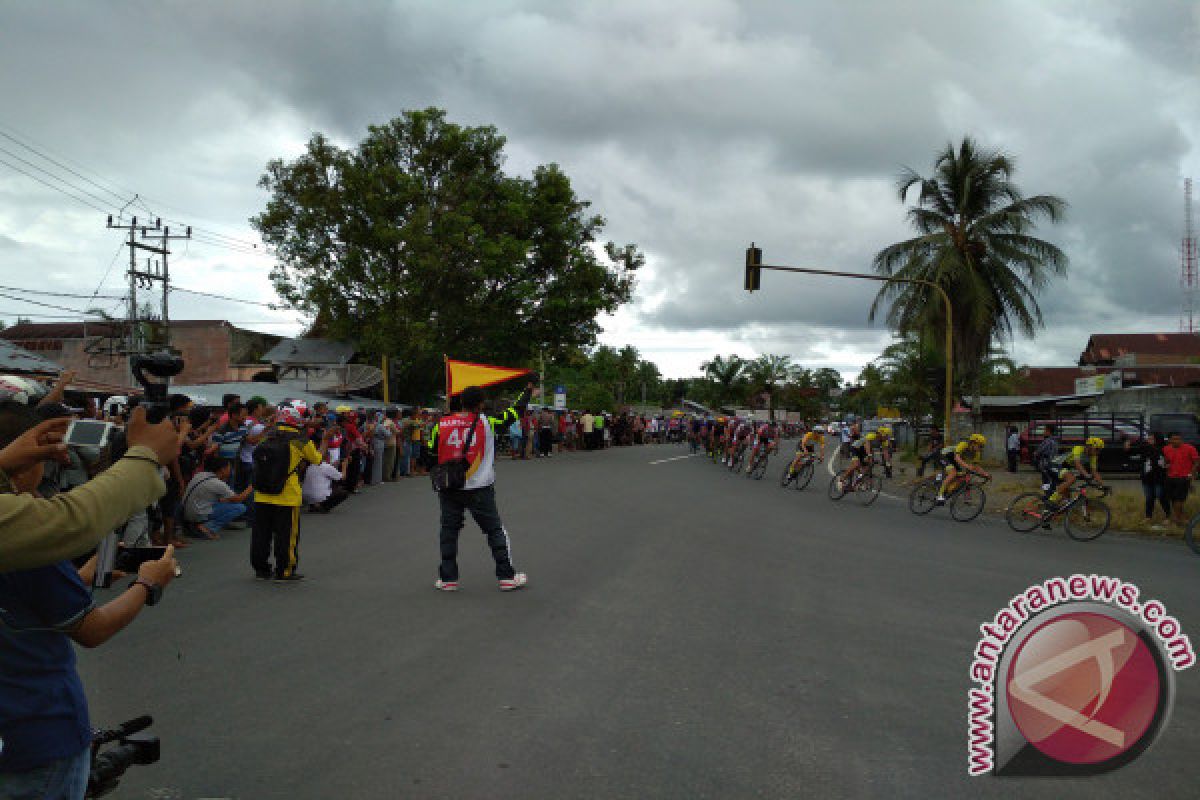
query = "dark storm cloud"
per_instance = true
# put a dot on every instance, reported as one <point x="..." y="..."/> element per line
<point x="693" y="127"/>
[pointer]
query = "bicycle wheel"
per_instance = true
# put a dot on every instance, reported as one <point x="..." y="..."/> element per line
<point x="805" y="475"/>
<point x="1087" y="520"/>
<point x="868" y="489"/>
<point x="1026" y="512"/>
<point x="1192" y="536"/>
<point x="923" y="497"/>
<point x="759" y="468"/>
<point x="968" y="503"/>
<point x="787" y="477"/>
<point x="836" y="490"/>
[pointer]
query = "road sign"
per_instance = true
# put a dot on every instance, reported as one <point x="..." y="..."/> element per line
<point x="560" y="398"/>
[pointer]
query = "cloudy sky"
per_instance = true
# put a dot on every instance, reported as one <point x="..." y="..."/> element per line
<point x="693" y="126"/>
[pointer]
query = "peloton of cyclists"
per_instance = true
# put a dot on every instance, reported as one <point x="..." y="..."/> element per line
<point x="956" y="460"/>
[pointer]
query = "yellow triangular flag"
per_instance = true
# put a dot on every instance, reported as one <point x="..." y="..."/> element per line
<point x="461" y="374"/>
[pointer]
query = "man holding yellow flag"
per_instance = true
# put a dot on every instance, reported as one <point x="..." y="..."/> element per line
<point x="469" y="436"/>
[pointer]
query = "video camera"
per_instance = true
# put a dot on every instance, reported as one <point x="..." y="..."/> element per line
<point x="165" y="365"/>
<point x="133" y="747"/>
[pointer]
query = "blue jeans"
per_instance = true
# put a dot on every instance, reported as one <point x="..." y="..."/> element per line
<point x="223" y="514"/>
<point x="65" y="779"/>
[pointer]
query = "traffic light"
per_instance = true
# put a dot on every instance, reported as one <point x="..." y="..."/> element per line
<point x="753" y="268"/>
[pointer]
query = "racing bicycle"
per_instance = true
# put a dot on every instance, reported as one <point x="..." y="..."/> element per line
<point x="759" y="467"/>
<point x="802" y="476"/>
<point x="1085" y="516"/>
<point x="864" y="486"/>
<point x="966" y="501"/>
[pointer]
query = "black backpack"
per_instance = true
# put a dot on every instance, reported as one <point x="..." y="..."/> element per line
<point x="273" y="462"/>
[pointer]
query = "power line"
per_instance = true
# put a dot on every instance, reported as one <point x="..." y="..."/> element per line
<point x="108" y="271"/>
<point x="224" y="297"/>
<point x="43" y="316"/>
<point x="55" y="188"/>
<point x="84" y="312"/>
<point x="59" y="164"/>
<point x="63" y="181"/>
<point x="63" y="294"/>
<point x="217" y="239"/>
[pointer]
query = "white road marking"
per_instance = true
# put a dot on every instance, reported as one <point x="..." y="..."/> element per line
<point x="676" y="458"/>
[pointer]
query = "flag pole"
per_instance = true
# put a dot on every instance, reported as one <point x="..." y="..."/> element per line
<point x="446" y="366"/>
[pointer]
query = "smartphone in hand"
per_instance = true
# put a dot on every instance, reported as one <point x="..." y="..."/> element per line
<point x="88" y="433"/>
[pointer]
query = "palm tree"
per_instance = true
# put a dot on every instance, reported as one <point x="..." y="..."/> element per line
<point x="726" y="373"/>
<point x="974" y="242"/>
<point x="766" y="373"/>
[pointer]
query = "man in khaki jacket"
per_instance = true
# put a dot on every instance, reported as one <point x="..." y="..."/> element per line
<point x="36" y="532"/>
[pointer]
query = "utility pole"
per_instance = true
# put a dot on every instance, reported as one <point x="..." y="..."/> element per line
<point x="542" y="374"/>
<point x="133" y="344"/>
<point x="163" y="273"/>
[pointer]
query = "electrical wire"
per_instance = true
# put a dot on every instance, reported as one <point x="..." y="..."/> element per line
<point x="59" y="164"/>
<point x="223" y="297"/>
<point x="211" y="237"/>
<point x="52" y="186"/>
<point x="83" y="312"/>
<point x="63" y="294"/>
<point x="43" y="170"/>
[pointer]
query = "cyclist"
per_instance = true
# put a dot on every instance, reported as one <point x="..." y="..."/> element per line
<point x="763" y="437"/>
<point x="956" y="460"/>
<point x="1080" y="462"/>
<point x="862" y="452"/>
<point x="741" y="438"/>
<point x="886" y="443"/>
<point x="812" y="445"/>
<point x="716" y="433"/>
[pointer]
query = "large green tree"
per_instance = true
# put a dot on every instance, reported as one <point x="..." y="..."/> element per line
<point x="974" y="241"/>
<point x="416" y="243"/>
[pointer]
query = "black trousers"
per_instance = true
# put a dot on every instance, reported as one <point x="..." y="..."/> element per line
<point x="275" y="528"/>
<point x="545" y="440"/>
<point x="482" y="505"/>
<point x="337" y="496"/>
<point x="1013" y="455"/>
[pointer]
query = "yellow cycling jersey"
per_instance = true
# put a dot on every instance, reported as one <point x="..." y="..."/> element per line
<point x="963" y="450"/>
<point x="1079" y="455"/>
<point x="813" y="437"/>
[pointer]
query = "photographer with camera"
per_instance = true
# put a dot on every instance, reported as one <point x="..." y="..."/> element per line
<point x="45" y="732"/>
<point x="35" y="532"/>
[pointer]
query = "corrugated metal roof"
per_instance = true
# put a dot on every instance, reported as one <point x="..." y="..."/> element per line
<point x="1105" y="347"/>
<point x="18" y="359"/>
<point x="273" y="393"/>
<point x="309" y="351"/>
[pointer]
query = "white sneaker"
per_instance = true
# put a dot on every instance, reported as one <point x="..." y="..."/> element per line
<point x="517" y="581"/>
<point x="446" y="586"/>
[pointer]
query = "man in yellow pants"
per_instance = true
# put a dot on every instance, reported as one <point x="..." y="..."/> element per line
<point x="278" y="460"/>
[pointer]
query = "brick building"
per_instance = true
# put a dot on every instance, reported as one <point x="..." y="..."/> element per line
<point x="213" y="350"/>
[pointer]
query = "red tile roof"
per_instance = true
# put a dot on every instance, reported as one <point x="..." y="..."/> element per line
<point x="1104" y="348"/>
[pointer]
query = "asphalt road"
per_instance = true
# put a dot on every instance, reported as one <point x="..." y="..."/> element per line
<point x="685" y="634"/>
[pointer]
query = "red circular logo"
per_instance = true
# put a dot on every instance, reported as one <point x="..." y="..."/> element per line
<point x="1083" y="688"/>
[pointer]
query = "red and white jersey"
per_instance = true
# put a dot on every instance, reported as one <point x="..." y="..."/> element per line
<point x="453" y="432"/>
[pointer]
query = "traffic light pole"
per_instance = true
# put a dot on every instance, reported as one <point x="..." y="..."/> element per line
<point x="754" y="266"/>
